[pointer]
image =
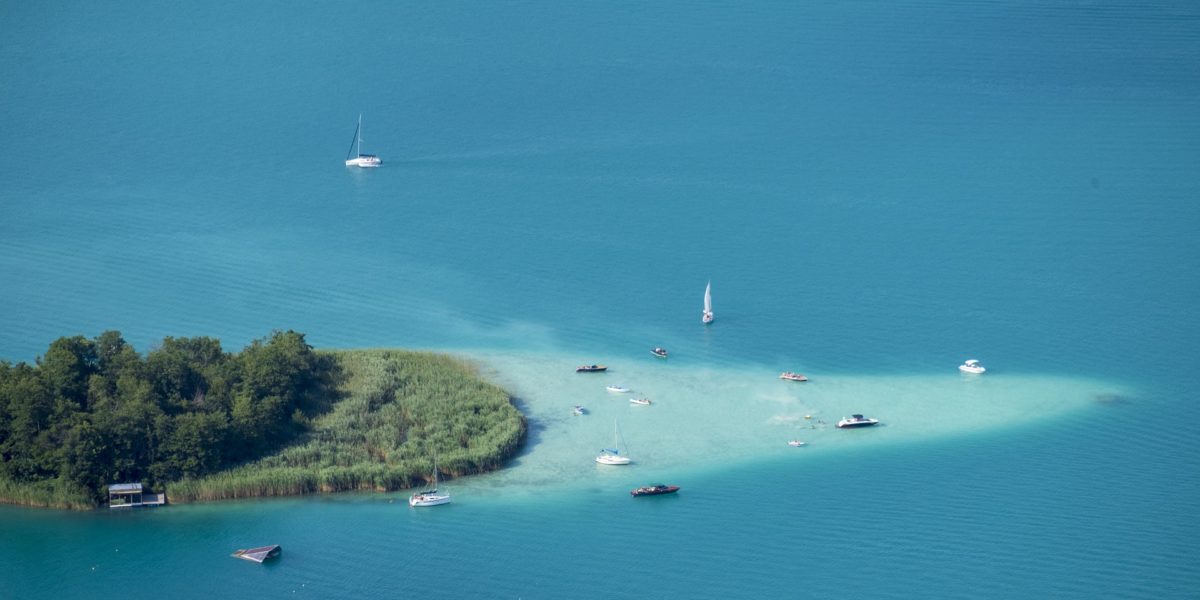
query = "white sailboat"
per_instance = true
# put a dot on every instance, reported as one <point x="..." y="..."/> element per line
<point x="361" y="160"/>
<point x="707" y="316"/>
<point x="431" y="496"/>
<point x="612" y="456"/>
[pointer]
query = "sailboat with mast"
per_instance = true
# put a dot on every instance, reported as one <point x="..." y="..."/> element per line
<point x="361" y="160"/>
<point x="612" y="456"/>
<point x="430" y="496"/>
<point x="707" y="316"/>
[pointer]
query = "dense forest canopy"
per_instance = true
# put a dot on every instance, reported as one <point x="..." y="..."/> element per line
<point x="94" y="412"/>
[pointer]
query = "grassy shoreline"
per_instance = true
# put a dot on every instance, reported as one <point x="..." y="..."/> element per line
<point x="54" y="493"/>
<point x="391" y="411"/>
<point x="394" y="410"/>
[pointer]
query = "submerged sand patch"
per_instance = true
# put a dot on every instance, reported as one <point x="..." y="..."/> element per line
<point x="705" y="416"/>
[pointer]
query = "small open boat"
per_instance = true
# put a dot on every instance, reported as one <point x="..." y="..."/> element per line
<point x="797" y="443"/>
<point x="259" y="554"/>
<point x="590" y="369"/>
<point x="790" y="376"/>
<point x="617" y="389"/>
<point x="579" y="410"/>
<point x="642" y="401"/>
<point x="659" y="352"/>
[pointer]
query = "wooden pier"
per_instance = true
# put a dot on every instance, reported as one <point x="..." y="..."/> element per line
<point x="129" y="495"/>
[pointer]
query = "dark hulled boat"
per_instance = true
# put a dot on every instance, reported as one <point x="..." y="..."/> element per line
<point x="654" y="490"/>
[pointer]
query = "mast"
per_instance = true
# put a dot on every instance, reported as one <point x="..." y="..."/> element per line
<point x="435" y="475"/>
<point x="359" y="130"/>
<point x="357" y="139"/>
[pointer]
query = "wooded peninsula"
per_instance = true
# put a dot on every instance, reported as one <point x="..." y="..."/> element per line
<point x="277" y="418"/>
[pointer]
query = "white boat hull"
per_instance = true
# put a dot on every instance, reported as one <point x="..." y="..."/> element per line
<point x="971" y="369"/>
<point x="364" y="162"/>
<point x="605" y="459"/>
<point x="428" y="499"/>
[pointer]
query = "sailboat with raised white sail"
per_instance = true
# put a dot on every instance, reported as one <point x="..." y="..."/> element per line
<point x="707" y="316"/>
<point x="361" y="160"/>
<point x="612" y="456"/>
<point x="430" y="496"/>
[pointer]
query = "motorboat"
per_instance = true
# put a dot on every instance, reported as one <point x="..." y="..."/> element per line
<point x="617" y="389"/>
<point x="971" y="366"/>
<point x="659" y="352"/>
<point x="790" y="376"/>
<point x="642" y="401"/>
<point x="657" y="489"/>
<point x="358" y="159"/>
<point x="590" y="368"/>
<point x="579" y="411"/>
<point x="856" y="421"/>
<point x="797" y="443"/>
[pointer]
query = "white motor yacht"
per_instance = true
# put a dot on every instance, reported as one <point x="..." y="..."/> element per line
<point x="971" y="366"/>
<point x="856" y="421"/>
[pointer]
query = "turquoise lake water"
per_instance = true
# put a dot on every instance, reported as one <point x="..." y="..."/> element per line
<point x="876" y="190"/>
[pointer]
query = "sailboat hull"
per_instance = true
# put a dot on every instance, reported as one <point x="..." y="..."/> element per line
<point x="428" y="499"/>
<point x="364" y="162"/>
<point x="612" y="460"/>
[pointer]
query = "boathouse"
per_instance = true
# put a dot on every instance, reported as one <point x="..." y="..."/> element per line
<point x="126" y="495"/>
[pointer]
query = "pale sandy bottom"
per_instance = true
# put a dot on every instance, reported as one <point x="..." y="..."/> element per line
<point x="705" y="418"/>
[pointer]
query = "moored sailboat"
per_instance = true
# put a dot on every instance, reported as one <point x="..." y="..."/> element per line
<point x="431" y="496"/>
<point x="612" y="456"/>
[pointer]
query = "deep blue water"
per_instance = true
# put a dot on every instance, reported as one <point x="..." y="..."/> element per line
<point x="873" y="189"/>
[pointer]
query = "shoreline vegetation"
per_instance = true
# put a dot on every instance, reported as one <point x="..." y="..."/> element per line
<point x="278" y="418"/>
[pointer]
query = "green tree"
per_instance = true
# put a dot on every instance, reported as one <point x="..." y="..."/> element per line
<point x="66" y="367"/>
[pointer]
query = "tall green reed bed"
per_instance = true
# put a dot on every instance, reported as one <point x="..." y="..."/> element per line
<point x="52" y="493"/>
<point x="395" y="410"/>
